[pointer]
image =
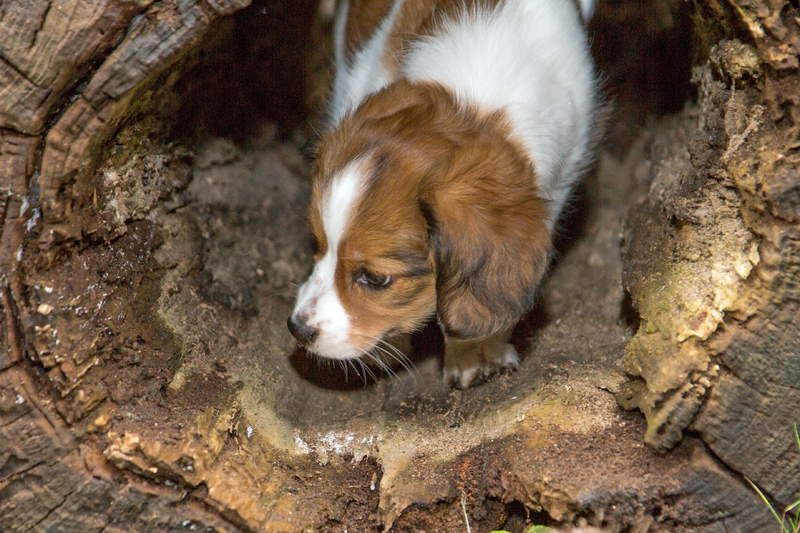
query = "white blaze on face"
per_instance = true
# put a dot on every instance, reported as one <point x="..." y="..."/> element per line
<point x="317" y="299"/>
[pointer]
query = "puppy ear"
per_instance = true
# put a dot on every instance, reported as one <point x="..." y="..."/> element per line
<point x="491" y="242"/>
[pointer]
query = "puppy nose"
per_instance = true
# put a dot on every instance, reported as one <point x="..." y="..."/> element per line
<point x="300" y="329"/>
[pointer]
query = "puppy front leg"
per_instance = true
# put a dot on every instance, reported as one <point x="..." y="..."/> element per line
<point x="470" y="361"/>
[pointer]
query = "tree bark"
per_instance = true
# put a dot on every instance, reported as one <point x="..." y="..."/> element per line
<point x="712" y="258"/>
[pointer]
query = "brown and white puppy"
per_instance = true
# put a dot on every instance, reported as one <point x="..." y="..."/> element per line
<point x="458" y="129"/>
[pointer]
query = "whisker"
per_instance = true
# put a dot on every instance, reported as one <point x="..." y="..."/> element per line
<point x="400" y="357"/>
<point x="364" y="369"/>
<point x="395" y="354"/>
<point x="367" y="369"/>
<point x="383" y="364"/>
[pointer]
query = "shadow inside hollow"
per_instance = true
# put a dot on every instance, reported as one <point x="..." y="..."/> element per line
<point x="530" y="323"/>
<point x="330" y="374"/>
<point x="572" y="223"/>
<point x="354" y="375"/>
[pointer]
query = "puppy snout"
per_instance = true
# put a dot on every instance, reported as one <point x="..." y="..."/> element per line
<point x="299" y="328"/>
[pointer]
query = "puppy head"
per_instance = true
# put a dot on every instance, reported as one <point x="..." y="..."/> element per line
<point x="420" y="207"/>
<point x="373" y="275"/>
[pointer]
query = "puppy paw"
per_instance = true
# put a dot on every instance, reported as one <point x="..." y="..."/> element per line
<point x="468" y="364"/>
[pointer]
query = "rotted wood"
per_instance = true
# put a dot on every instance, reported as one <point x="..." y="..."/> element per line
<point x="16" y="165"/>
<point x="712" y="260"/>
<point x="48" y="44"/>
<point x="49" y="482"/>
<point x="69" y="71"/>
<point x="79" y="63"/>
<point x="152" y="42"/>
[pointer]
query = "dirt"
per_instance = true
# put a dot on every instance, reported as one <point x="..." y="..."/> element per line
<point x="191" y="379"/>
<point x="228" y="381"/>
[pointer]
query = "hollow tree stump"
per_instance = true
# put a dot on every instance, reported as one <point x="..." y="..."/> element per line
<point x="119" y="413"/>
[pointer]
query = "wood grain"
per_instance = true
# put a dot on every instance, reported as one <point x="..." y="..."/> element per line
<point x="713" y="264"/>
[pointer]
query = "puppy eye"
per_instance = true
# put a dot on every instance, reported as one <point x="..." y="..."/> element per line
<point x="372" y="280"/>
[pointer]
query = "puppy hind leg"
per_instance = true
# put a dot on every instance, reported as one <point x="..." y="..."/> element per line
<point x="472" y="361"/>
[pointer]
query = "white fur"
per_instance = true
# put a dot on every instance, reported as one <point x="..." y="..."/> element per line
<point x="529" y="58"/>
<point x="587" y="9"/>
<point x="317" y="300"/>
<point x="364" y="73"/>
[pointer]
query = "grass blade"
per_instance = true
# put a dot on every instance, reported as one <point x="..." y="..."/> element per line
<point x="774" y="513"/>
<point x="464" y="510"/>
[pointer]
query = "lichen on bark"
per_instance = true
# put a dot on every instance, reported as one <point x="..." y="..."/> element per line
<point x="711" y="260"/>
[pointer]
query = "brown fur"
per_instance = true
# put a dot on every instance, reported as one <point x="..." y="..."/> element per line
<point x="451" y="213"/>
<point x="363" y="18"/>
